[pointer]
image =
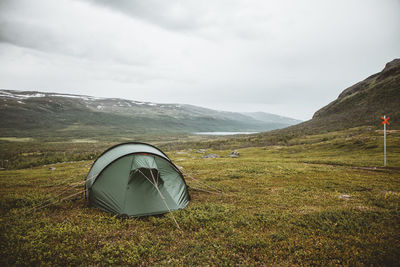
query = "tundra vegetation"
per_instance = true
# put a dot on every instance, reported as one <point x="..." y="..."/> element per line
<point x="320" y="199"/>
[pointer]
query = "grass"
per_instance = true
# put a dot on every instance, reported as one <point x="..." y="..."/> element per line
<point x="16" y="139"/>
<point x="84" y="140"/>
<point x="283" y="204"/>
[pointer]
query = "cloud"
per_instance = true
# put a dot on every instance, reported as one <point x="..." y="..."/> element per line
<point x="287" y="57"/>
<point x="178" y="15"/>
<point x="63" y="28"/>
<point x="205" y="19"/>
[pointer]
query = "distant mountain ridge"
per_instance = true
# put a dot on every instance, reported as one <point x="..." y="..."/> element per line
<point x="268" y="117"/>
<point x="361" y="104"/>
<point x="43" y="113"/>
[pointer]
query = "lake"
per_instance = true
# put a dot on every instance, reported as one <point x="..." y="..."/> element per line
<point x="223" y="133"/>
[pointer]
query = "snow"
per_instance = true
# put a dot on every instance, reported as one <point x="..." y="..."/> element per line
<point x="26" y="96"/>
<point x="128" y="103"/>
<point x="144" y="103"/>
<point x="19" y="96"/>
<point x="36" y="95"/>
<point x="87" y="98"/>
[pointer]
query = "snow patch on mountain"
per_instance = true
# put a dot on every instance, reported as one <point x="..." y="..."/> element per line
<point x="20" y="96"/>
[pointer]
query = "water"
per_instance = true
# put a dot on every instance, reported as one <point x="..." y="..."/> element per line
<point x="223" y="133"/>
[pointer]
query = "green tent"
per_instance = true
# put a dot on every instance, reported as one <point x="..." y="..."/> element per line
<point x="135" y="179"/>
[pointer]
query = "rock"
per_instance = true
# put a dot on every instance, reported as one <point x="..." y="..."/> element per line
<point x="345" y="197"/>
<point x="234" y="154"/>
<point x="210" y="156"/>
<point x="52" y="168"/>
<point x="201" y="151"/>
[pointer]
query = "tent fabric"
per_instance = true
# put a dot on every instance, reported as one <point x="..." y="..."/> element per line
<point x="120" y="150"/>
<point x="136" y="179"/>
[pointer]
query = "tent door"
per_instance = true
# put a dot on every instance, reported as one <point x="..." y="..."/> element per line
<point x="142" y="197"/>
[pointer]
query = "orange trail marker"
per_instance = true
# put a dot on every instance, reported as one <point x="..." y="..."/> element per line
<point x="385" y="120"/>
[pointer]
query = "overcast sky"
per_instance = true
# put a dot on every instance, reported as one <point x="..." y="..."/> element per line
<point x="284" y="57"/>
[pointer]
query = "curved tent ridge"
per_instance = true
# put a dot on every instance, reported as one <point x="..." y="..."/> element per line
<point x="133" y="143"/>
<point x="118" y="151"/>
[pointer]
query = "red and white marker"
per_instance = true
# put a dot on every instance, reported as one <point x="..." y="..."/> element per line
<point x="384" y="122"/>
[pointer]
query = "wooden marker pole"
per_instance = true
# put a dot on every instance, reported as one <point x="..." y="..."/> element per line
<point x="384" y="122"/>
<point x="384" y="143"/>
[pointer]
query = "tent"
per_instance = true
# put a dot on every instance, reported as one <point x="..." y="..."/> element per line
<point x="135" y="179"/>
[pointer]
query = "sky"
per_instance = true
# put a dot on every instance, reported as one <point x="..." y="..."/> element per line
<point x="285" y="57"/>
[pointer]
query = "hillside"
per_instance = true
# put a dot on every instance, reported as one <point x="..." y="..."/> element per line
<point x="362" y="104"/>
<point x="267" y="117"/>
<point x="32" y="113"/>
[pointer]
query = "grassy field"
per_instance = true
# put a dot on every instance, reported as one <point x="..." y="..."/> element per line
<point x="17" y="153"/>
<point x="312" y="200"/>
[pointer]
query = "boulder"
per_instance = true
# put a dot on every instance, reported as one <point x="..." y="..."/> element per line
<point x="210" y="156"/>
<point x="234" y="154"/>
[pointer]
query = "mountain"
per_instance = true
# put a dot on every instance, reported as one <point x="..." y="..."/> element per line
<point x="362" y="104"/>
<point x="27" y="113"/>
<point x="271" y="118"/>
<point x="31" y="113"/>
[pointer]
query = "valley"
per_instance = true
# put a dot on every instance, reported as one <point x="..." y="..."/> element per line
<point x="53" y="115"/>
<point x="314" y="193"/>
